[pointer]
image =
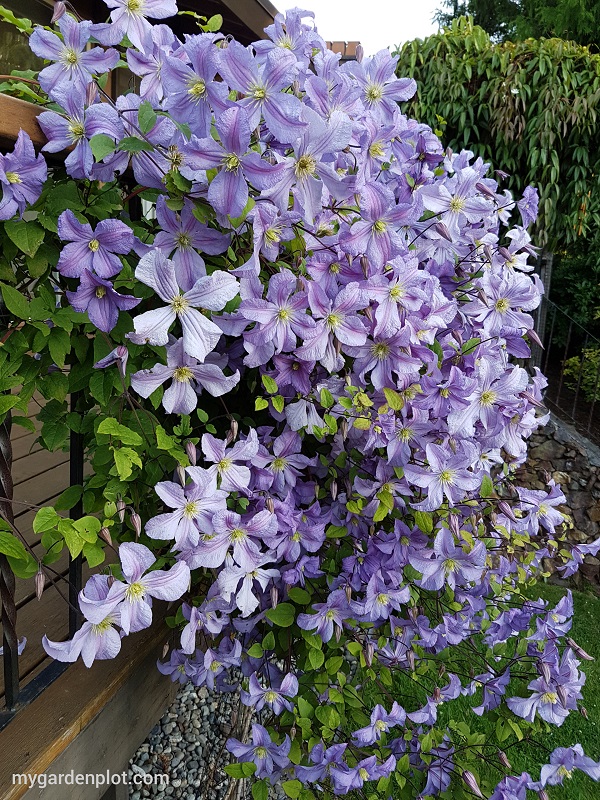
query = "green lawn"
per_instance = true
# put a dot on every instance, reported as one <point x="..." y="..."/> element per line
<point x="576" y="729"/>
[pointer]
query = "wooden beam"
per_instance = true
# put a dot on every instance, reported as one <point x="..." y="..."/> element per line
<point x="15" y="115"/>
<point x="255" y="14"/>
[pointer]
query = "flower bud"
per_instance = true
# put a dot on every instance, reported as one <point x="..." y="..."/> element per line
<point x="504" y="507"/>
<point x="232" y="432"/>
<point x="471" y="782"/>
<point x="348" y="590"/>
<point x="454" y="524"/>
<point x="344" y="429"/>
<point x="105" y="535"/>
<point x="192" y="452"/>
<point x="562" y="696"/>
<point x="442" y="670"/>
<point x="437" y="694"/>
<point x="40" y="582"/>
<point x="368" y="653"/>
<point x="583" y="712"/>
<point x="110" y="580"/>
<point x="60" y="9"/>
<point x="165" y="650"/>
<point x="578" y="650"/>
<point x="333" y="488"/>
<point x="481" y="187"/>
<point x="136" y="522"/>
<point x="410" y="657"/>
<point x="181" y="476"/>
<point x="274" y="596"/>
<point x="442" y="231"/>
<point x="544" y="670"/>
<point x="121" y="510"/>
<point x="534" y="337"/>
<point x="543" y="794"/>
<point x="503" y="759"/>
<point x="504" y="253"/>
<point x="364" y="263"/>
<point x="338" y="633"/>
<point x="270" y="505"/>
<point x="360" y="53"/>
<point x="488" y="252"/>
<point x="91" y="95"/>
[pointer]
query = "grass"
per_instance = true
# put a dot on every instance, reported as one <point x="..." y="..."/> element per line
<point x="526" y="756"/>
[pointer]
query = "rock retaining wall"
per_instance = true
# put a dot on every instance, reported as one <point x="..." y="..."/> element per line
<point x="574" y="462"/>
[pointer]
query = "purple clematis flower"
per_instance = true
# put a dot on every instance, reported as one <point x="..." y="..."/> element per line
<point x="181" y="237"/>
<point x="268" y="756"/>
<point x="231" y="531"/>
<point x="236" y="163"/>
<point x="188" y="377"/>
<point x="323" y="759"/>
<point x="101" y="301"/>
<point x="345" y="779"/>
<point x="234" y="476"/>
<point x="193" y="507"/>
<point x="563" y="761"/>
<point x="128" y="19"/>
<point x="447" y="476"/>
<point x="75" y="65"/>
<point x="528" y="205"/>
<point x="149" y="64"/>
<point x="381" y="89"/>
<point x="200" y="335"/>
<point x="93" y="640"/>
<point x="448" y="564"/>
<point x="76" y="127"/>
<point x="192" y="94"/>
<point x="259" y="697"/>
<point x="232" y="576"/>
<point x="22" y="174"/>
<point x="286" y="462"/>
<point x="381" y="722"/>
<point x="264" y="89"/>
<point x="133" y="597"/>
<point x="94" y="250"/>
<point x="332" y="613"/>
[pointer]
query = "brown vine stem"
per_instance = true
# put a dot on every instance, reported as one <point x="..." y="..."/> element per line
<point x="16" y="78"/>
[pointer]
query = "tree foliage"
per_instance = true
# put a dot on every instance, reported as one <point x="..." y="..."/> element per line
<point x="531" y="107"/>
<point x="578" y="20"/>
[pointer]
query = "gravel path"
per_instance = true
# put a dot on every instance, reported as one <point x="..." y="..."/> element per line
<point x="188" y="745"/>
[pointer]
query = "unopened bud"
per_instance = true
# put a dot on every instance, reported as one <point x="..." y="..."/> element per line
<point x="192" y="453"/>
<point x="181" y="474"/>
<point x="333" y="488"/>
<point x="121" y="510"/>
<point x="91" y="95"/>
<point x="105" y="535"/>
<point x="454" y="524"/>
<point x="364" y="263"/>
<point x="442" y="670"/>
<point x="60" y="9"/>
<point x="562" y="696"/>
<point x="165" y="650"/>
<point x="488" y="252"/>
<point x="270" y="505"/>
<point x="544" y="670"/>
<point x="232" y="432"/>
<point x="534" y="337"/>
<point x="348" y="590"/>
<point x="457" y="336"/>
<point x="504" y="507"/>
<point x="442" y="231"/>
<point x="274" y="596"/>
<point x="506" y="255"/>
<point x="136" y="523"/>
<point x="344" y="429"/>
<point x="543" y="794"/>
<point x="40" y="582"/>
<point x="293" y="732"/>
<point x="338" y="633"/>
<point x="471" y="782"/>
<point x="437" y="694"/>
<point x="110" y="580"/>
<point x="368" y="653"/>
<point x="583" y="712"/>
<point x="579" y="650"/>
<point x="360" y="53"/>
<point x="503" y="759"/>
<point x="410" y="657"/>
<point x="369" y="313"/>
<point x="481" y="187"/>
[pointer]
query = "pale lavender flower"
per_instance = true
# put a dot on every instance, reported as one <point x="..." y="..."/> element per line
<point x="381" y="722"/>
<point x="101" y="302"/>
<point x="275" y="698"/>
<point x="332" y="613"/>
<point x="22" y="174"/>
<point x="94" y="250"/>
<point x="239" y="581"/>
<point x="447" y="564"/>
<point x="200" y="334"/>
<point x="447" y="475"/>
<point x="528" y="205"/>
<point x="269" y="757"/>
<point x="563" y="762"/>
<point x="234" y="476"/>
<point x="129" y="19"/>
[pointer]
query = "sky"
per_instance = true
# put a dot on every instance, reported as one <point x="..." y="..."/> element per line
<point x="375" y="23"/>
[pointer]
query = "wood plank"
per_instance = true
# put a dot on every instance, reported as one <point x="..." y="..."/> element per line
<point x="40" y="489"/>
<point x="42" y="731"/>
<point x="25" y="446"/>
<point x="34" y="466"/>
<point x="15" y="115"/>
<point x="112" y="737"/>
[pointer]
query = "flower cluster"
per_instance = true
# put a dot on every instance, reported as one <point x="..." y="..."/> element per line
<point x="314" y="249"/>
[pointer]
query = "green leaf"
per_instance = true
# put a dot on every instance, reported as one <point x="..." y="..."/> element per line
<point x="68" y="499"/>
<point x="54" y="434"/>
<point x="328" y="716"/>
<point x="93" y="554"/>
<point x="268" y="643"/>
<point x="260" y="403"/>
<point x="73" y="540"/>
<point x="283" y="615"/>
<point x="393" y="399"/>
<point x="8" y="401"/>
<point x="326" y="398"/>
<point x="15" y="301"/>
<point x="487" y="487"/>
<point x="102" y="146"/>
<point x="28" y="236"/>
<point x="88" y="528"/>
<point x="214" y="24"/>
<point x="278" y="403"/>
<point x="243" y="770"/>
<point x="256" y="651"/>
<point x="260" y="790"/>
<point x="59" y="345"/>
<point x="45" y="520"/>
<point x="24" y="422"/>
<point x="11" y="546"/>
<point x="125" y="457"/>
<point x="292" y="788"/>
<point x="146" y="117"/>
<point x="269" y="384"/>
<point x="133" y="144"/>
<point x="424" y="521"/>
<point x="316" y="658"/>
<point x="122" y="434"/>
<point x="300" y="596"/>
